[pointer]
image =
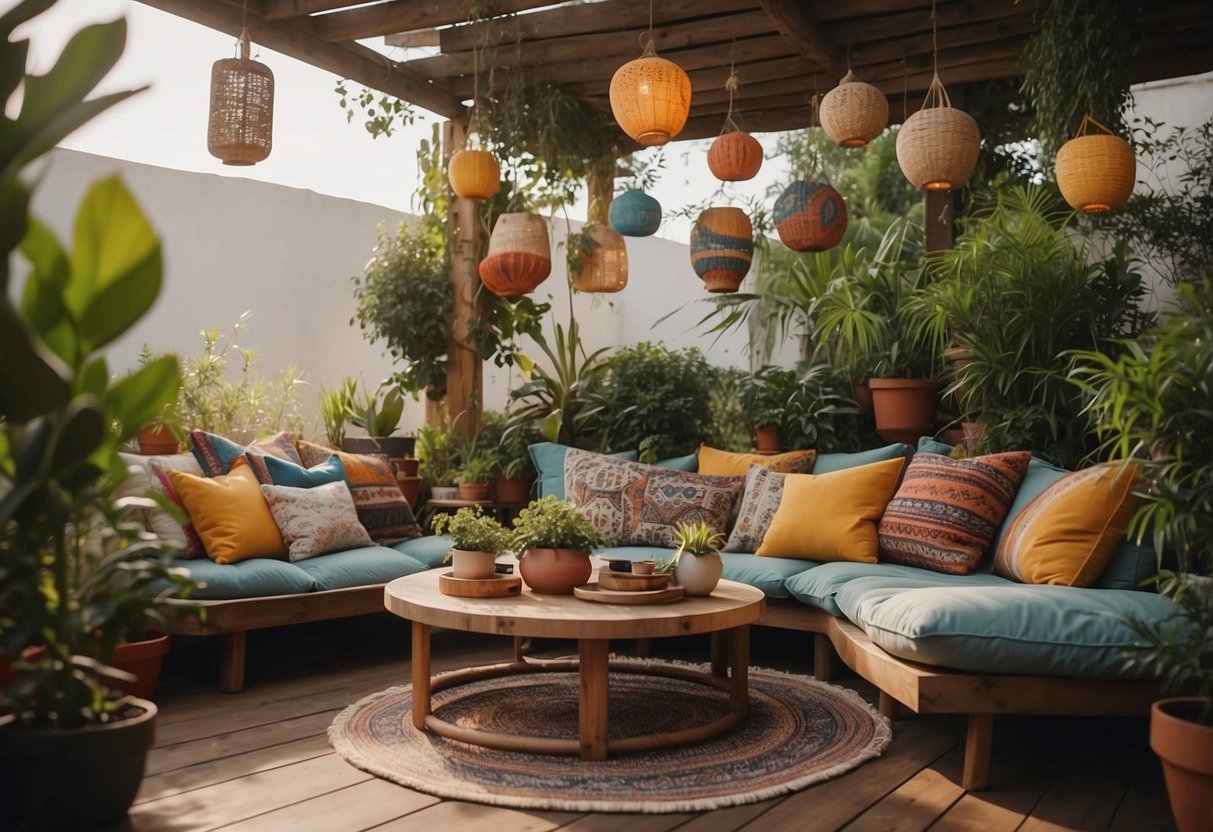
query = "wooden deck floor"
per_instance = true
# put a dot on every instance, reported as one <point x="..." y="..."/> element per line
<point x="260" y="759"/>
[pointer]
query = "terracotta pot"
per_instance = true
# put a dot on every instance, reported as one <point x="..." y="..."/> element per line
<point x="157" y="441"/>
<point x="477" y="491"/>
<point x="407" y="466"/>
<point x="904" y="408"/>
<point x="555" y="571"/>
<point x="767" y="439"/>
<point x="515" y="489"/>
<point x="1186" y="750"/>
<point x="473" y="565"/>
<point x="861" y="392"/>
<point x="143" y="659"/>
<point x="698" y="574"/>
<point x="410" y="487"/>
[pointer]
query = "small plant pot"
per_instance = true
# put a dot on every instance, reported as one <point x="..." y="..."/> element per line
<point x="698" y="574"/>
<point x="512" y="489"/>
<point x="407" y="466"/>
<point x="394" y="447"/>
<point x="767" y="439"/>
<point x="472" y="565"/>
<point x="1186" y="750"/>
<point x="905" y="408"/>
<point x="555" y="571"/>
<point x="157" y="441"/>
<point x="644" y="567"/>
<point x="444" y="492"/>
<point x="475" y="491"/>
<point x="143" y="660"/>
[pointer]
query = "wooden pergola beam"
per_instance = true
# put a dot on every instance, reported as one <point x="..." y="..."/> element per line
<point x="406" y="15"/>
<point x="417" y="37"/>
<point x="281" y="9"/>
<point x="802" y="31"/>
<point x="354" y="61"/>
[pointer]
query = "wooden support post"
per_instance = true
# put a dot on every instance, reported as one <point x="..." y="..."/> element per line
<point x="421" y="674"/>
<point x="825" y="658"/>
<point x="593" y="655"/>
<point x="231" y="663"/>
<point x="600" y="183"/>
<point x="890" y="708"/>
<point x="979" y="746"/>
<point x="940" y="212"/>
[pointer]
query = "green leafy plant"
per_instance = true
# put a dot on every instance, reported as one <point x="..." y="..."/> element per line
<point x="377" y="413"/>
<point x="474" y="531"/>
<point x="698" y="539"/>
<point x="478" y="468"/>
<point x="563" y="401"/>
<point x="383" y="114"/>
<point x="549" y="523"/>
<point x="511" y="442"/>
<point x="437" y="453"/>
<point x="335" y="406"/>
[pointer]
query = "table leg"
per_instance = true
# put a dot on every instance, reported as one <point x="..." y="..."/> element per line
<point x="421" y="674"/>
<point x="593" y="654"/>
<point x="721" y="651"/>
<point x="739" y="691"/>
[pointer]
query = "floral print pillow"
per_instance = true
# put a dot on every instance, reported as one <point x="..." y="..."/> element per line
<point x="316" y="521"/>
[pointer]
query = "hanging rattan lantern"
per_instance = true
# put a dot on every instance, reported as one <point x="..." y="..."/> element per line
<point x="474" y="174"/>
<point x="520" y="255"/>
<point x="722" y="246"/>
<point x="735" y="157"/>
<point x="1096" y="172"/>
<point x="650" y="98"/>
<point x="937" y="147"/>
<point x="604" y="268"/>
<point x="810" y="216"/>
<point x="240" y="128"/>
<point x="854" y="112"/>
<point x="635" y="214"/>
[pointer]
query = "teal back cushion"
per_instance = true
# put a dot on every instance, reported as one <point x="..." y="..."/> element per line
<point x="933" y="446"/>
<point x="270" y="470"/>
<point x="837" y="462"/>
<point x="548" y="458"/>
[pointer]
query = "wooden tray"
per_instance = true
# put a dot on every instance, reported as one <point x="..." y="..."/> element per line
<point x="593" y="592"/>
<point x="497" y="586"/>
<point x="629" y="582"/>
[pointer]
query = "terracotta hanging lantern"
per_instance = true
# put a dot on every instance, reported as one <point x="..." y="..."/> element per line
<point x="650" y="98"/>
<point x="474" y="174"/>
<point x="810" y="216"/>
<point x="854" y="112"/>
<point x="604" y="268"/>
<point x="937" y="146"/>
<point x="735" y="157"/>
<point x="635" y="214"/>
<point x="1096" y="172"/>
<point x="240" y="127"/>
<point x="722" y="247"/>
<point x="520" y="255"/>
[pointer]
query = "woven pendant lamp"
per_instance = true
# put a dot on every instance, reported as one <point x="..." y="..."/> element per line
<point x="650" y="98"/>
<point x="937" y="147"/>
<point x="810" y="216"/>
<point x="604" y="269"/>
<point x="635" y="214"/>
<point x="474" y="174"/>
<point x="1096" y="172"/>
<point x="854" y="112"/>
<point x="735" y="156"/>
<point x="722" y="247"/>
<point x="520" y="255"/>
<point x="240" y="128"/>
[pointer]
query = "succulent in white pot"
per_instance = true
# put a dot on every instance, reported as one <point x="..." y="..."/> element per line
<point x="696" y="564"/>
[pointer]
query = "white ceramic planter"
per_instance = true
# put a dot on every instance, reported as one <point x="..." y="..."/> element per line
<point x="475" y="565"/>
<point x="698" y="574"/>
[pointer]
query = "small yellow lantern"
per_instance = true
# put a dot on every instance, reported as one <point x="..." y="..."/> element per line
<point x="1095" y="172"/>
<point x="474" y="174"/>
<point x="650" y="98"/>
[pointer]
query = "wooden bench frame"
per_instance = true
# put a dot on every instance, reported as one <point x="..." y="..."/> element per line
<point x="836" y="642"/>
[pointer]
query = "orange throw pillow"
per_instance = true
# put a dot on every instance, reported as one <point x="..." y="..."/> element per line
<point x="230" y="515"/>
<point x="715" y="462"/>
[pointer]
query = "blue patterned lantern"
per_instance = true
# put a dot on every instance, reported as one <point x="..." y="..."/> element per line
<point x="722" y="246"/>
<point x="635" y="214"/>
<point x="810" y="216"/>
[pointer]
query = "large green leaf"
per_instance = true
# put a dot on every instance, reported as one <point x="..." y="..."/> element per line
<point x="12" y="66"/>
<point x="14" y="220"/>
<point x="23" y="11"/>
<point x="33" y="380"/>
<point x="138" y="398"/>
<point x="42" y="300"/>
<point x="86" y="59"/>
<point x="116" y="264"/>
<point x="17" y="147"/>
<point x="82" y="433"/>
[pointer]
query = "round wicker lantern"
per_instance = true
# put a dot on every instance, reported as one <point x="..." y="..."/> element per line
<point x="605" y="268"/>
<point x="810" y="216"/>
<point x="735" y="157"/>
<point x="722" y="246"/>
<point x="635" y="214"/>
<point x="1096" y="172"/>
<point x="240" y="128"/>
<point x="937" y="147"/>
<point x="854" y="112"/>
<point x="520" y="255"/>
<point x="650" y="98"/>
<point x="474" y="174"/>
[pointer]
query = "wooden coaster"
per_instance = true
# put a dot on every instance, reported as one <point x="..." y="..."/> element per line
<point x="497" y="586"/>
<point x="593" y="592"/>
<point x="630" y="582"/>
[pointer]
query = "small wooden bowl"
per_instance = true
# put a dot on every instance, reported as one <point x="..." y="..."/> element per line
<point x="628" y="582"/>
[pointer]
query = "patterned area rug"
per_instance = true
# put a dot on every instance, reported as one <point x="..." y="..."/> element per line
<point x="799" y="732"/>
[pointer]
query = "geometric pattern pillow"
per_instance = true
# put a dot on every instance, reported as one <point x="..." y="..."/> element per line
<point x="763" y="491"/>
<point x="947" y="511"/>
<point x="216" y="454"/>
<point x="377" y="496"/>
<point x="192" y="545"/>
<point x="726" y="463"/>
<point x="632" y="504"/>
<point x="273" y="471"/>
<point x="317" y="520"/>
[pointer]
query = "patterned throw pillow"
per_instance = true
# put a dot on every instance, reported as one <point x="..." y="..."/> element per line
<point x="273" y="471"/>
<point x="763" y="491"/>
<point x="230" y="515"/>
<point x="216" y="454"/>
<point x="633" y="504"/>
<point x="145" y="481"/>
<point x="377" y="496"/>
<point x="947" y="511"/>
<point x="317" y="520"/>
<point x="1067" y="534"/>
<point x="728" y="464"/>
<point x="192" y="545"/>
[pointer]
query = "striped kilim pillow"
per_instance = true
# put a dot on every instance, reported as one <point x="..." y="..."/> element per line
<point x="947" y="511"/>
<point x="381" y="505"/>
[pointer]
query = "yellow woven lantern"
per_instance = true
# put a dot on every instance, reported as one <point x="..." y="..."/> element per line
<point x="650" y="98"/>
<point x="1096" y="172"/>
<point x="474" y="174"/>
<point x="604" y="268"/>
<point x="240" y="128"/>
<point x="937" y="147"/>
<point x="854" y="112"/>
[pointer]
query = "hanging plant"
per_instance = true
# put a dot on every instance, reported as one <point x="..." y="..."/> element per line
<point x="382" y="113"/>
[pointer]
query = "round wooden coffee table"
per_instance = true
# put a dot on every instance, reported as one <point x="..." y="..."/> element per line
<point x="726" y="614"/>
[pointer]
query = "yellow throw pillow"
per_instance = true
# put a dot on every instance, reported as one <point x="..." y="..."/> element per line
<point x="230" y="515"/>
<point x="1067" y="534"/>
<point x="720" y="463"/>
<point x="832" y="516"/>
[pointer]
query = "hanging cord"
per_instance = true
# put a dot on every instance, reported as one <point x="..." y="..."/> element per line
<point x="731" y="86"/>
<point x="818" y="169"/>
<point x="1087" y="120"/>
<point x="648" y="49"/>
<point x="936" y="95"/>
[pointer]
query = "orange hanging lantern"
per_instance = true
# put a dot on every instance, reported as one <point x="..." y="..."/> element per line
<point x="937" y="147"/>
<point x="1096" y="172"/>
<point x="474" y="174"/>
<point x="854" y="112"/>
<point x="650" y="98"/>
<point x="240" y="127"/>
<point x="722" y="247"/>
<point x="520" y="255"/>
<point x="735" y="157"/>
<point x="604" y="268"/>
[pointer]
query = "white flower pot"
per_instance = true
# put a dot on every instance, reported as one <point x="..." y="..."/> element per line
<point x="475" y="565"/>
<point x="698" y="574"/>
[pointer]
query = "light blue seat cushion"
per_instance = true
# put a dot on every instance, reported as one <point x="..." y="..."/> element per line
<point x="430" y="550"/>
<point x="1018" y="629"/>
<point x="690" y="463"/>
<point x="836" y="462"/>
<point x="819" y="587"/>
<point x="767" y="574"/>
<point x="548" y="458"/>
<point x="359" y="567"/>
<point x="245" y="579"/>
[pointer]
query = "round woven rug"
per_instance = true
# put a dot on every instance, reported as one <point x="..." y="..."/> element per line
<point x="799" y="732"/>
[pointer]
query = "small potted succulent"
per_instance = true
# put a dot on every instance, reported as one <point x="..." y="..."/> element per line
<point x="699" y="573"/>
<point x="476" y="539"/>
<point x="552" y="541"/>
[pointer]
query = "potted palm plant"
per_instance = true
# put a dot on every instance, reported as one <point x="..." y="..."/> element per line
<point x="476" y="540"/>
<point x="552" y="541"/>
<point x="77" y="578"/>
<point x="700" y="572"/>
<point x="765" y="394"/>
